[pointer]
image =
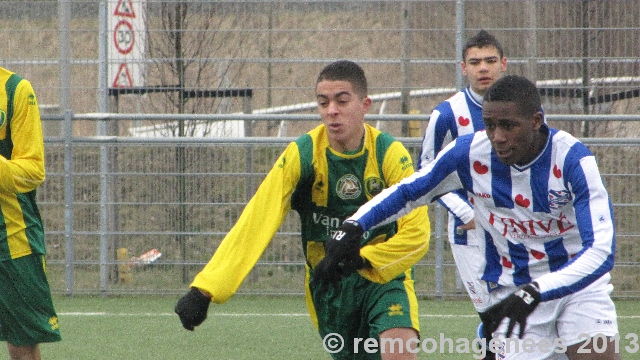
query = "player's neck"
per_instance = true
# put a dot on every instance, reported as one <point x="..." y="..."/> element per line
<point x="539" y="144"/>
<point x="476" y="96"/>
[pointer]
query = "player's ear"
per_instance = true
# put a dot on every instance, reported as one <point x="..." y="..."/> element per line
<point x="366" y="102"/>
<point x="538" y="120"/>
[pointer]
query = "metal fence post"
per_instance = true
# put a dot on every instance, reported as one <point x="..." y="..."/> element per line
<point x="68" y="204"/>
<point x="440" y="225"/>
<point x="104" y="217"/>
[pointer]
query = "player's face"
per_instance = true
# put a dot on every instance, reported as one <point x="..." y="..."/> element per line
<point x="516" y="139"/>
<point x="482" y="67"/>
<point x="342" y="112"/>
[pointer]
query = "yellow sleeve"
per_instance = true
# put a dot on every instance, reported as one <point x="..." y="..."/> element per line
<point x="403" y="250"/>
<point x="260" y="220"/>
<point x="25" y="170"/>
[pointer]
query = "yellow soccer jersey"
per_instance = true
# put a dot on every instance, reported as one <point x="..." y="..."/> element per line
<point x="21" y="168"/>
<point x="324" y="187"/>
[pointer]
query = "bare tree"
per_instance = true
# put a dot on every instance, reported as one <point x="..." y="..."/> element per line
<point x="186" y="41"/>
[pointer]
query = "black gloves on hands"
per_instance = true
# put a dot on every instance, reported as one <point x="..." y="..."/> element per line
<point x="192" y="308"/>
<point x="333" y="269"/>
<point x="517" y="307"/>
<point x="342" y="254"/>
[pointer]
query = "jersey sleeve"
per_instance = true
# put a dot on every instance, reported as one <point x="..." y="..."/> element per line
<point x="596" y="227"/>
<point x="436" y="137"/>
<point x="390" y="258"/>
<point x="457" y="206"/>
<point x="242" y="247"/>
<point x="25" y="170"/>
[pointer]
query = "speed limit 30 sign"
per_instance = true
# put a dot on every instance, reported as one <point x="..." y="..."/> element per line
<point x="124" y="37"/>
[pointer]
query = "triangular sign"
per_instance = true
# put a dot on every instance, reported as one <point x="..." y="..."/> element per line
<point x="124" y="8"/>
<point x="123" y="78"/>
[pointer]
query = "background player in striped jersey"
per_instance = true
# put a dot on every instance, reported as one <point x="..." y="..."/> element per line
<point x="483" y="63"/>
<point x="27" y="315"/>
<point x="325" y="176"/>
<point x="546" y="219"/>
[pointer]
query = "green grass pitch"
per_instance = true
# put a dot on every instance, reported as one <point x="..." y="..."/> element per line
<point x="246" y="327"/>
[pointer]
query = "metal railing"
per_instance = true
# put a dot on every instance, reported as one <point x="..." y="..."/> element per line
<point x="181" y="195"/>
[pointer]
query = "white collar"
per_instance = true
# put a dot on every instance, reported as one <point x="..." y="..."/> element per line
<point x="477" y="97"/>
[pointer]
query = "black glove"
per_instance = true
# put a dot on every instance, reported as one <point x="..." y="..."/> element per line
<point x="192" y="308"/>
<point x="351" y="263"/>
<point x="342" y="254"/>
<point x="482" y="333"/>
<point x="489" y="322"/>
<point x="517" y="307"/>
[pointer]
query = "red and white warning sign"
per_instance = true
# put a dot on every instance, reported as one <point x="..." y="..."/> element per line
<point x="127" y="43"/>
<point x="125" y="8"/>
<point x="123" y="77"/>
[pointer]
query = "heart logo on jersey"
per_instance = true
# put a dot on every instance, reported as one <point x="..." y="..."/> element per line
<point x="556" y="171"/>
<point x="463" y="121"/>
<point x="521" y="201"/>
<point x="479" y="168"/>
<point x="506" y="263"/>
<point x="537" y="254"/>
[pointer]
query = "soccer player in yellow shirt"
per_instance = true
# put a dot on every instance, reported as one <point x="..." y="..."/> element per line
<point x="325" y="175"/>
<point x="27" y="315"/>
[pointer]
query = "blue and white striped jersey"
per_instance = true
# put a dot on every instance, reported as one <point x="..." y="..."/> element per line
<point x="459" y="115"/>
<point x="550" y="221"/>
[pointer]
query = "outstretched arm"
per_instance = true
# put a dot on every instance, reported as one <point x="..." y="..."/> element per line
<point x="260" y="220"/>
<point x="437" y="178"/>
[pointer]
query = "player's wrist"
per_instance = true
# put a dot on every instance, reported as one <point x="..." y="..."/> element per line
<point x="352" y="224"/>
<point x="345" y="239"/>
<point x="205" y="293"/>
<point x="199" y="297"/>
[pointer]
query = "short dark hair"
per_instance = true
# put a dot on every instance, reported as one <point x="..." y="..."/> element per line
<point x="480" y="40"/>
<point x="517" y="89"/>
<point x="345" y="70"/>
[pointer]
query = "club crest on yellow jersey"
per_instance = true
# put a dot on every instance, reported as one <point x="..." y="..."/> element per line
<point x="373" y="186"/>
<point x="348" y="187"/>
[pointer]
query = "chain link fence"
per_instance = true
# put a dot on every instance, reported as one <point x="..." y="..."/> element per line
<point x="183" y="208"/>
<point x="203" y="67"/>
<point x="583" y="53"/>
